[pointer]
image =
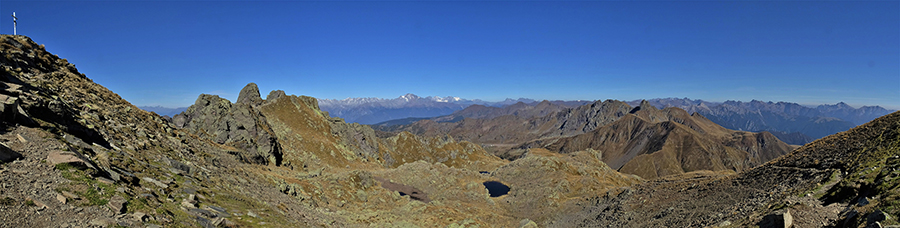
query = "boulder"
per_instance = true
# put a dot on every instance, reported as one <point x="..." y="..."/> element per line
<point x="876" y="216"/>
<point x="75" y="159"/>
<point x="782" y="219"/>
<point x="61" y="198"/>
<point x="117" y="204"/>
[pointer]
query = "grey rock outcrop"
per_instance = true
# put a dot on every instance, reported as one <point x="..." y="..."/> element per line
<point x="239" y="125"/>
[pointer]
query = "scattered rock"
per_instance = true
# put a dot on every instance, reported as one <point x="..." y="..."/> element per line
<point x="58" y="157"/>
<point x="71" y="195"/>
<point x="876" y="216"/>
<point x="105" y="180"/>
<point x="61" y="198"/>
<point x="156" y="182"/>
<point x="37" y="203"/>
<point x="777" y="220"/>
<point x="862" y="201"/>
<point x="188" y="203"/>
<point x="139" y="216"/>
<point x="117" y="204"/>
<point x="527" y="223"/>
<point x="204" y="213"/>
<point x="102" y="222"/>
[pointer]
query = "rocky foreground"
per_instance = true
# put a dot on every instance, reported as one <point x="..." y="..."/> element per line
<point x="75" y="154"/>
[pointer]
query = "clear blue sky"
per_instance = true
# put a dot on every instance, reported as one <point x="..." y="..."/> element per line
<point x="168" y="52"/>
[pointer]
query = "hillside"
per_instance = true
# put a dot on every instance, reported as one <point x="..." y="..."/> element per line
<point x="651" y="143"/>
<point x="844" y="180"/>
<point x="642" y="140"/>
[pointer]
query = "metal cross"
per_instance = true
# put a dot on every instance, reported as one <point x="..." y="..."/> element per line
<point x="14" y="23"/>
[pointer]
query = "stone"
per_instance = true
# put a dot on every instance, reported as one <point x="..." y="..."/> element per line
<point x="876" y="216"/>
<point x="862" y="201"/>
<point x="37" y="203"/>
<point x="8" y="155"/>
<point x="204" y="213"/>
<point x="187" y="203"/>
<point x="139" y="216"/>
<point x="68" y="194"/>
<point x="102" y="222"/>
<point x="58" y="157"/>
<point x="781" y="219"/>
<point x="105" y="180"/>
<point x="216" y="208"/>
<point x="117" y="204"/>
<point x="155" y="182"/>
<point x="61" y="198"/>
<point x="179" y="166"/>
<point x="527" y="223"/>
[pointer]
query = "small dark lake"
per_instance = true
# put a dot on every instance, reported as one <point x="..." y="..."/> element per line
<point x="495" y="188"/>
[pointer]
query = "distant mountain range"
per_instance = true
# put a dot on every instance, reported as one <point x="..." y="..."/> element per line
<point x="375" y="110"/>
<point x="791" y="122"/>
<point x="163" y="111"/>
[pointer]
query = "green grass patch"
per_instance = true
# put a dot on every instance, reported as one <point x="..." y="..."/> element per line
<point x="29" y="203"/>
<point x="90" y="190"/>
<point x="7" y="201"/>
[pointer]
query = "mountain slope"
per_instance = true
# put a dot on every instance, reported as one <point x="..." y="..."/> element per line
<point x="652" y="143"/>
<point x="848" y="180"/>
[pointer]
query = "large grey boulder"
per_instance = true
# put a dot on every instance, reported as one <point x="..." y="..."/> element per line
<point x="239" y="125"/>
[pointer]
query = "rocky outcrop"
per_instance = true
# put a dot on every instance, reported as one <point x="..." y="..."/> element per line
<point x="239" y="125"/>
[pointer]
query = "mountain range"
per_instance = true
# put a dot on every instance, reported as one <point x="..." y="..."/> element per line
<point x="163" y="111"/>
<point x="74" y="153"/>
<point x="792" y="122"/>
<point x="376" y="110"/>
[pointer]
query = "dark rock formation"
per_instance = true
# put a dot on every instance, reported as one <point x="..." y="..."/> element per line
<point x="239" y="125"/>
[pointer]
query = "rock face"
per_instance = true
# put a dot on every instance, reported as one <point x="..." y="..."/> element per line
<point x="239" y="125"/>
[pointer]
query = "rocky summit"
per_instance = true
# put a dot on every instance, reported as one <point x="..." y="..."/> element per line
<point x="74" y="154"/>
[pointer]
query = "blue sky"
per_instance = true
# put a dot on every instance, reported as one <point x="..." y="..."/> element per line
<point x="168" y="52"/>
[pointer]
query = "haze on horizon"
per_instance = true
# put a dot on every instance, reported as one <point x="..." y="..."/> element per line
<point x="167" y="53"/>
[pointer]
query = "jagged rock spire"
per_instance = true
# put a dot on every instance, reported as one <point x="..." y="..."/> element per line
<point x="250" y="95"/>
